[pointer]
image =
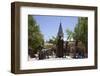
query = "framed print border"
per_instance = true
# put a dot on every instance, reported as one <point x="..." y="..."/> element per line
<point x="15" y="36"/>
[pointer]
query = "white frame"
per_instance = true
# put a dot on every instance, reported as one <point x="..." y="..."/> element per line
<point x="25" y="64"/>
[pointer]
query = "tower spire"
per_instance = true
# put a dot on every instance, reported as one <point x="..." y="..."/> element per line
<point x="60" y="31"/>
<point x="60" y="42"/>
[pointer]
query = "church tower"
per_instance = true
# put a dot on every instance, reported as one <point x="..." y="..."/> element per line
<point x="60" y="42"/>
<point x="60" y="31"/>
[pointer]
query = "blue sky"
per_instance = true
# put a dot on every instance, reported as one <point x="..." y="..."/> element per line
<point x="49" y="25"/>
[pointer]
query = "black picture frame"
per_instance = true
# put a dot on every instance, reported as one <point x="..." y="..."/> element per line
<point x="15" y="36"/>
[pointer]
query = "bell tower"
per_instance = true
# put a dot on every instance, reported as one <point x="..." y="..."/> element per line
<point x="60" y="42"/>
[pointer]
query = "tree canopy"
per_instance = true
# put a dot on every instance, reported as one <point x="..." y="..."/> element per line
<point x="69" y="34"/>
<point x="35" y="37"/>
<point x="53" y="40"/>
<point x="81" y="30"/>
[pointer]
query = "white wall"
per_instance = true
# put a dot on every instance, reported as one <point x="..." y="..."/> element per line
<point x="5" y="42"/>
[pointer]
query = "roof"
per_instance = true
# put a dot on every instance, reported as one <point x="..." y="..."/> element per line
<point x="60" y="31"/>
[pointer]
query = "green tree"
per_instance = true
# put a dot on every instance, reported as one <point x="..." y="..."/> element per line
<point x="35" y="37"/>
<point x="81" y="30"/>
<point x="53" y="40"/>
<point x="69" y="34"/>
